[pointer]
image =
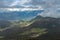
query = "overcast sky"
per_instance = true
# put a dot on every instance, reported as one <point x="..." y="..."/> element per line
<point x="28" y="3"/>
<point x="51" y="7"/>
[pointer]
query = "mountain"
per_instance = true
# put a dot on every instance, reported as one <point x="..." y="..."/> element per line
<point x="52" y="26"/>
<point x="4" y="23"/>
<point x="39" y="28"/>
<point x="19" y="15"/>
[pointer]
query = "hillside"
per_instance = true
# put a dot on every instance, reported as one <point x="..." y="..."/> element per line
<point x="39" y="28"/>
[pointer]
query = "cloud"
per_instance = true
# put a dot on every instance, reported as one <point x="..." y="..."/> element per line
<point x="50" y="14"/>
<point x="13" y="3"/>
<point x="19" y="2"/>
<point x="19" y="5"/>
<point x="20" y="9"/>
<point x="51" y="8"/>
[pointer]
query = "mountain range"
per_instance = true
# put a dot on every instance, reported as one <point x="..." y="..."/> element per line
<point x="39" y="28"/>
<point x="19" y="15"/>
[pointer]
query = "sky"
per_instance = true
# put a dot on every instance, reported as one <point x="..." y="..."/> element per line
<point x="51" y="7"/>
<point x="18" y="3"/>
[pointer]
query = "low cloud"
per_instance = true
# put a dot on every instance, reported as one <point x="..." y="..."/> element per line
<point x="51" y="9"/>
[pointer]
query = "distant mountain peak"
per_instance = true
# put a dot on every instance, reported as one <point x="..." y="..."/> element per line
<point x="39" y="16"/>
